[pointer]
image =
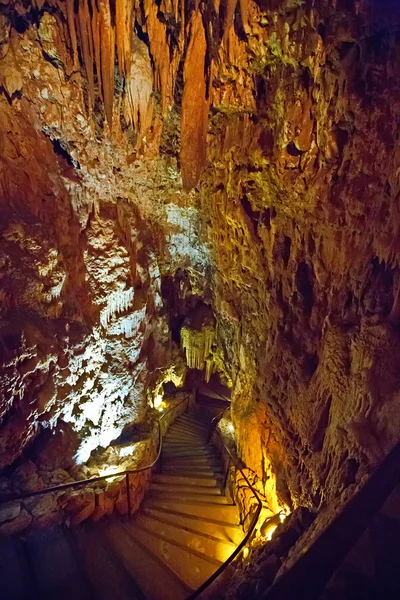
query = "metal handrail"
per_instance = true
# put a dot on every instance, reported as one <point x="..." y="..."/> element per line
<point x="249" y="532"/>
<point x="87" y="482"/>
<point x="91" y="480"/>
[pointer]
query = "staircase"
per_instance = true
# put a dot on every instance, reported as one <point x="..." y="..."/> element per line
<point x="186" y="528"/>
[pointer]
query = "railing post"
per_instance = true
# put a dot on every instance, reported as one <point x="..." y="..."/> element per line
<point x="128" y="495"/>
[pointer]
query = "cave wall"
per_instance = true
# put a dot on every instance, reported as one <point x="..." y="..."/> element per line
<point x="301" y="210"/>
<point x="91" y="221"/>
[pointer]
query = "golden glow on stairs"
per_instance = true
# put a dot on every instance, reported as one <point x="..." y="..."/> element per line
<point x="185" y="529"/>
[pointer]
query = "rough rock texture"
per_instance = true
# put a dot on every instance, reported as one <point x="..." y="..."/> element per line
<point x="137" y="448"/>
<point x="89" y="224"/>
<point x="301" y="212"/>
<point x="293" y="193"/>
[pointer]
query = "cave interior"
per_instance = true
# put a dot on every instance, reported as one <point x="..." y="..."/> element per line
<point x="199" y="299"/>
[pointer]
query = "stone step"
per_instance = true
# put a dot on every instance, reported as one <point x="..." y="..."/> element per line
<point x="183" y="437"/>
<point x="184" y="445"/>
<point x="57" y="572"/>
<point x="188" y="497"/>
<point x="106" y="573"/>
<point x="228" y="532"/>
<point x="186" y="431"/>
<point x="190" y="453"/>
<point x="153" y="576"/>
<point x="202" y="480"/>
<point x="188" y="536"/>
<point x="220" y="512"/>
<point x="191" y="463"/>
<point x="189" y="426"/>
<point x="194" y="418"/>
<point x="173" y="488"/>
<point x="191" y="566"/>
<point x="187" y="472"/>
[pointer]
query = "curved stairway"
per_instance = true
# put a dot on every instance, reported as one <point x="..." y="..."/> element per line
<point x="186" y="528"/>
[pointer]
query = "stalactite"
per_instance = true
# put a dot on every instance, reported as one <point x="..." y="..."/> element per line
<point x="97" y="47"/>
<point x="139" y="87"/>
<point x="124" y="27"/>
<point x="85" y="34"/>
<point x="107" y="37"/>
<point x="72" y="31"/>
<point x="194" y="106"/>
<point x="230" y="7"/>
<point x="244" y="13"/>
<point x="157" y="32"/>
<point x="118" y="302"/>
<point x="198" y="348"/>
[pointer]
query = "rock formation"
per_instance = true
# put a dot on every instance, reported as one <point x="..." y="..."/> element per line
<point x="155" y="156"/>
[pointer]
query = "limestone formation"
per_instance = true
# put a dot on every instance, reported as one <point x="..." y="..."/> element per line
<point x="163" y="158"/>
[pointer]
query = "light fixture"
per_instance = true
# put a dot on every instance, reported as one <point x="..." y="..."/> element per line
<point x="158" y="400"/>
<point x="231" y="427"/>
<point x="270" y="532"/>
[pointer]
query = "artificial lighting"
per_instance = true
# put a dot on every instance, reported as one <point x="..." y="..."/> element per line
<point x="245" y="552"/>
<point x="270" y="532"/>
<point x="231" y="427"/>
<point x="158" y="400"/>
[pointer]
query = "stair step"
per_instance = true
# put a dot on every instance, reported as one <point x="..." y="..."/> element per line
<point x="57" y="572"/>
<point x="185" y="440"/>
<point x="173" y="488"/>
<point x="195" y="417"/>
<point x="15" y="578"/>
<point x="228" y="532"/>
<point x="190" y="428"/>
<point x="219" y="512"/>
<point x="106" y="573"/>
<point x="183" y="437"/>
<point x="190" y="463"/>
<point x="186" y="535"/>
<point x="187" y="472"/>
<point x="154" y="577"/>
<point x="186" y="432"/>
<point x="191" y="566"/>
<point x="202" y="480"/>
<point x="190" y="453"/>
<point x="184" y="446"/>
<point x="189" y="497"/>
